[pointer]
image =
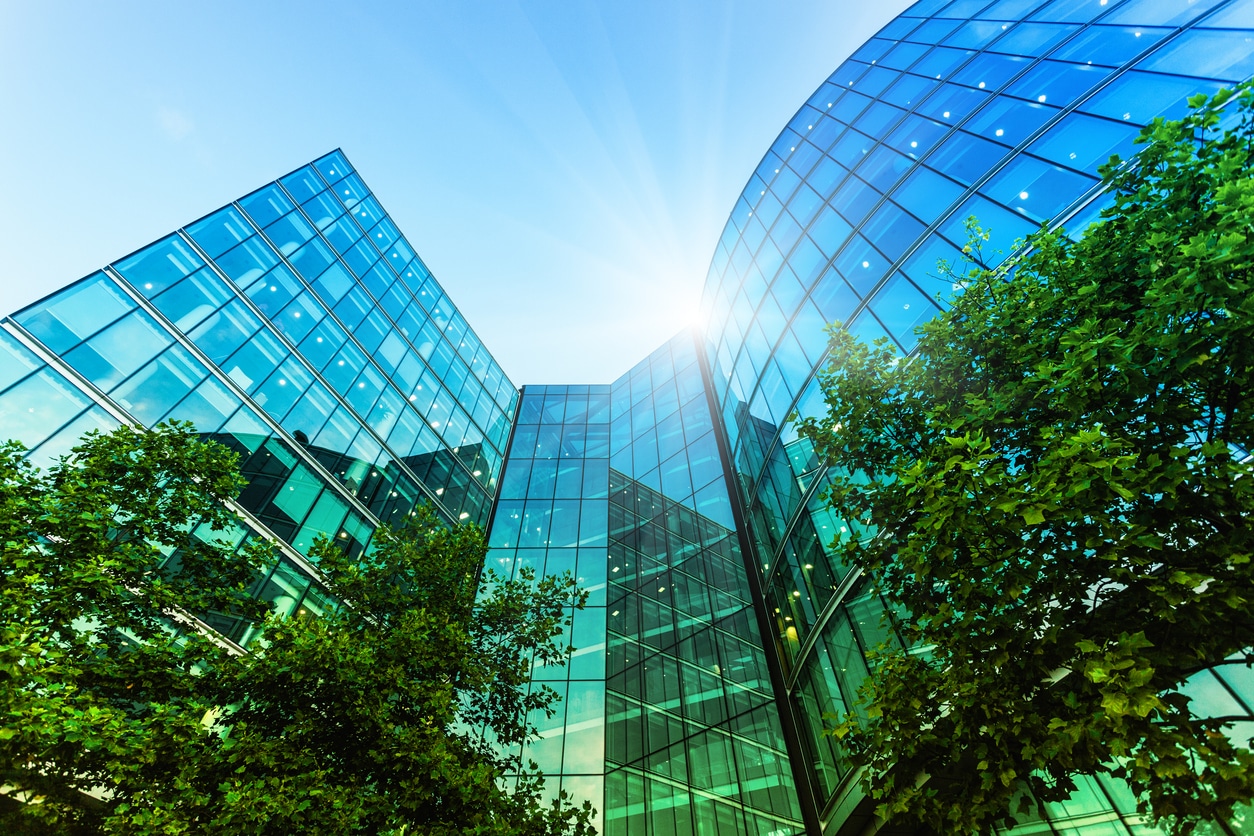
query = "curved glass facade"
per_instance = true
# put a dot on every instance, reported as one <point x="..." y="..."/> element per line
<point x="1002" y="110"/>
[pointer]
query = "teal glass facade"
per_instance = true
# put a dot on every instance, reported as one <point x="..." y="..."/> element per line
<point x="299" y="327"/>
<point x="1003" y="110"/>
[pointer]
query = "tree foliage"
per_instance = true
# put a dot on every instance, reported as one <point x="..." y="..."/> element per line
<point x="1061" y="502"/>
<point x="395" y="713"/>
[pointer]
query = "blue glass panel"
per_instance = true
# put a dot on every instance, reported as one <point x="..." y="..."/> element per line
<point x="1005" y="228"/>
<point x="290" y="232"/>
<point x="71" y="435"/>
<point x="16" y="361"/>
<point x="310" y="412"/>
<point x="932" y="31"/>
<point x="266" y="205"/>
<point x="834" y="299"/>
<point x="1109" y="46"/>
<point x="323" y="210"/>
<point x="1075" y="11"/>
<point x="963" y="9"/>
<point x="861" y="265"/>
<point x="1138" y="97"/>
<point x="990" y="71"/>
<point x="1227" y="56"/>
<point x="258" y="356"/>
<point x="965" y="158"/>
<point x="902" y="55"/>
<point x="247" y="261"/>
<point x="303" y="184"/>
<point x="1161" y="12"/>
<point x="1035" y="188"/>
<point x="33" y="410"/>
<point x="854" y="199"/>
<point x="75" y="313"/>
<point x="1237" y="15"/>
<point x="114" y="353"/>
<point x="282" y="388"/>
<point x="299" y="317"/>
<point x="829" y="231"/>
<point x="923" y="265"/>
<point x="225" y="330"/>
<point x="1033" y="38"/>
<point x="883" y="167"/>
<point x="208" y="406"/>
<point x="155" y="389"/>
<point x="942" y="61"/>
<point x="333" y="166"/>
<point x="1009" y="121"/>
<point x="902" y="307"/>
<point x="892" y="230"/>
<point x="916" y="136"/>
<point x="1010" y="9"/>
<point x="160" y="265"/>
<point x="974" y="34"/>
<point x="221" y="231"/>
<point x="951" y="103"/>
<point x="1057" y="82"/>
<point x="926" y="193"/>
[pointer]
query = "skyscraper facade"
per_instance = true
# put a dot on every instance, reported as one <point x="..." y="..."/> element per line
<point x="999" y="110"/>
<point x="299" y="327"/>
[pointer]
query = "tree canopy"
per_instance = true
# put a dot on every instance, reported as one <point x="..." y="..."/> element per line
<point x="1059" y="496"/>
<point x="401" y="710"/>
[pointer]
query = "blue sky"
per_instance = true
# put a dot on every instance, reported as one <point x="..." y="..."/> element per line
<point x="564" y="168"/>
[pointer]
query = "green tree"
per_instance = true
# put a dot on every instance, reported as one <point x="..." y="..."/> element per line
<point x="1058" y="497"/>
<point x="397" y="712"/>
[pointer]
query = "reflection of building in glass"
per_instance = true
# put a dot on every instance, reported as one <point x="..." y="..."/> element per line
<point x="1003" y="110"/>
<point x="298" y="327"/>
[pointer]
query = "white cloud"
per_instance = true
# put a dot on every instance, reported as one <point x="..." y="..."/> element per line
<point x="175" y="124"/>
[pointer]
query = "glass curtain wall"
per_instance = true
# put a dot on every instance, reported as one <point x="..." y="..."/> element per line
<point x="693" y="737"/>
<point x="1002" y="110"/>
<point x="551" y="517"/>
<point x="297" y="327"/>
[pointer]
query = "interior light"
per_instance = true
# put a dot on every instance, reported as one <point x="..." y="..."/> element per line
<point x="1023" y="195"/>
<point x="914" y="145"/>
<point x="866" y="264"/>
<point x="998" y="132"/>
<point x="981" y="85"/>
<point x="945" y="114"/>
<point x="1041" y="99"/>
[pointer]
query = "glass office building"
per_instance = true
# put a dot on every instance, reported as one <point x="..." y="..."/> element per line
<point x="1002" y="110"/>
<point x="299" y="327"/>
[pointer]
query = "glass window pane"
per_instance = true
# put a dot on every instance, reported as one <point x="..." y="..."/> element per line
<point x="75" y="313"/>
